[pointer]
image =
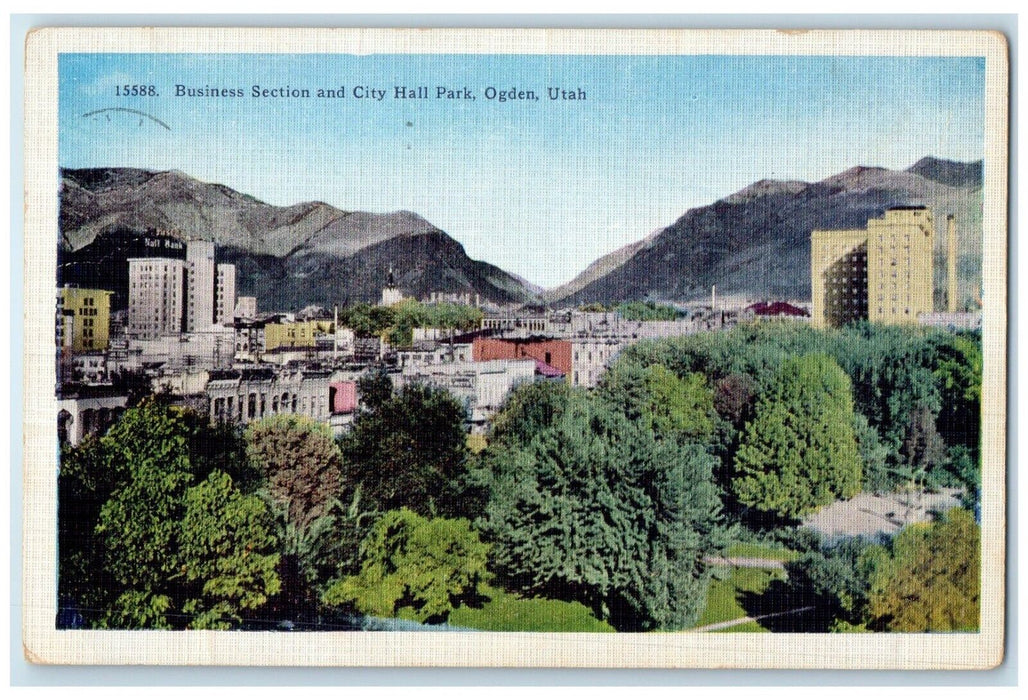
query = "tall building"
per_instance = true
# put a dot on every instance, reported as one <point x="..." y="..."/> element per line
<point x="200" y="285"/>
<point x="882" y="273"/>
<point x="157" y="297"/>
<point x="225" y="295"/>
<point x="84" y="319"/>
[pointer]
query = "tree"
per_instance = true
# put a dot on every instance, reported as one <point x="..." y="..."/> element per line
<point x="799" y="450"/>
<point x="409" y="452"/>
<point x="835" y="578"/>
<point x="300" y="461"/>
<point x="594" y="509"/>
<point x="138" y="525"/>
<point x="670" y="405"/>
<point x="416" y="568"/>
<point x="227" y="552"/>
<point x="161" y="553"/>
<point x="930" y="582"/>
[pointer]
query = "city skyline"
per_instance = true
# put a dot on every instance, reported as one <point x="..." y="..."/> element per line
<point x="541" y="189"/>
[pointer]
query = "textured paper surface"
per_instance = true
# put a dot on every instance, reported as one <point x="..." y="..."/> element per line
<point x="45" y="644"/>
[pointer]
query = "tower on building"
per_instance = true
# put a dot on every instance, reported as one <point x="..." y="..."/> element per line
<point x="390" y="293"/>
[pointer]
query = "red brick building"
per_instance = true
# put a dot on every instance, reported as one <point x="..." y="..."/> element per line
<point x="556" y="353"/>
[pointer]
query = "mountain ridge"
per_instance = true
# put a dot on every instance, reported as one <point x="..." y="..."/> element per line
<point x="284" y="255"/>
<point x="756" y="242"/>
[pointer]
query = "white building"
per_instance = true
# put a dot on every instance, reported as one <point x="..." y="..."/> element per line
<point x="246" y="307"/>
<point x="157" y="294"/>
<point x="590" y="358"/>
<point x="481" y="386"/>
<point x="200" y="280"/>
<point x="225" y="295"/>
<point x="241" y="396"/>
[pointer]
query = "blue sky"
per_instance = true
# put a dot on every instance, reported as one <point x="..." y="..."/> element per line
<point x="540" y="188"/>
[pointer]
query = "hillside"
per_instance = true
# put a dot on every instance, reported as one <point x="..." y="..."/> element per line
<point x="289" y="257"/>
<point x="756" y="242"/>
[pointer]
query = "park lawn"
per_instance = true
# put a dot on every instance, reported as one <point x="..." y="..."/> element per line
<point x="760" y="551"/>
<point x="507" y="612"/>
<point x="722" y="598"/>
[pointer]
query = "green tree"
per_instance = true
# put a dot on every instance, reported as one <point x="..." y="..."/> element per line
<point x="416" y="568"/>
<point x="145" y="526"/>
<point x="227" y="552"/>
<point x="835" y="578"/>
<point x="592" y="508"/>
<point x="300" y="461"/>
<point x="799" y="451"/>
<point x="670" y="405"/>
<point x="646" y="311"/>
<point x="409" y="451"/>
<point x="931" y="580"/>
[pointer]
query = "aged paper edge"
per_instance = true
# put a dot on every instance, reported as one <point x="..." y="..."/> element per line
<point x="42" y="643"/>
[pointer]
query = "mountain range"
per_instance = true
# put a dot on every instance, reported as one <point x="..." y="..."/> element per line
<point x="753" y="243"/>
<point x="288" y="257"/>
<point x="756" y="242"/>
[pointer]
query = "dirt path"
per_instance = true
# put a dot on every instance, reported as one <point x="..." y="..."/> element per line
<point x="742" y="620"/>
<point x="746" y="562"/>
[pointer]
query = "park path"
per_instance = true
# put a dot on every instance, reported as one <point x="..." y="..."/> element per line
<point x="746" y="562"/>
<point x="742" y="620"/>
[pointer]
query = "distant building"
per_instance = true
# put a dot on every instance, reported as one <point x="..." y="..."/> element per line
<point x="87" y="411"/>
<point x="590" y="358"/>
<point x="241" y="396"/>
<point x="225" y="295"/>
<point x="775" y="309"/>
<point x="391" y="294"/>
<point x="84" y="319"/>
<point x="952" y="321"/>
<point x="246" y="307"/>
<point x="298" y="334"/>
<point x="157" y="295"/>
<point x="200" y="285"/>
<point x="883" y="273"/>
<point x="552" y="351"/>
<point x="481" y="387"/>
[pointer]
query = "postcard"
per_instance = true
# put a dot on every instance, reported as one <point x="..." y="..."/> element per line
<point x="580" y="348"/>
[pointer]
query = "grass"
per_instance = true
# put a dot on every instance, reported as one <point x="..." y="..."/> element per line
<point x="723" y="598"/>
<point x="760" y="551"/>
<point x="507" y="612"/>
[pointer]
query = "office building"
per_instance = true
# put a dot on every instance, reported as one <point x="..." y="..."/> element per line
<point x="883" y="273"/>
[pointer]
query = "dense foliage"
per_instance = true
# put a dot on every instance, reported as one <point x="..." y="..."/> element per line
<point x="929" y="581"/>
<point x="646" y="311"/>
<point x="799" y="451"/>
<point x="415" y="567"/>
<point x="589" y="506"/>
<point x="398" y="321"/>
<point x="148" y="541"/>
<point x="409" y="449"/>
<point x="602" y="506"/>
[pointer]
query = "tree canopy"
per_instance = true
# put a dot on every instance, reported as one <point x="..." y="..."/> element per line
<point x="165" y="551"/>
<point x="415" y="567"/>
<point x="930" y="580"/>
<point x="300" y="462"/>
<point x="799" y="451"/>
<point x="592" y="508"/>
<point x="410" y="451"/>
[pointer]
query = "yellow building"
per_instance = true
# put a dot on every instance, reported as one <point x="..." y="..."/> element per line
<point x="300" y="334"/>
<point x="86" y="321"/>
<point x="882" y="273"/>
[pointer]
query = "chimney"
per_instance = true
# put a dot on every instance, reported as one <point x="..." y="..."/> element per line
<point x="951" y="263"/>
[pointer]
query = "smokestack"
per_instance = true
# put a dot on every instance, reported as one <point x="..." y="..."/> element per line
<point x="335" y="332"/>
<point x="713" y="297"/>
<point x="951" y="262"/>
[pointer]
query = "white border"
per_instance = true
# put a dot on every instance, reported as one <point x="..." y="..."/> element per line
<point x="44" y="644"/>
